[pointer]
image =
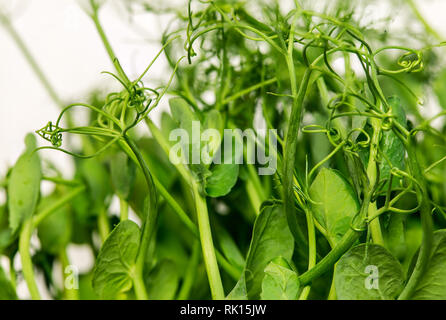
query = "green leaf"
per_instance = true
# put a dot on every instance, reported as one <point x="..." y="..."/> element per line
<point x="122" y="171"/>
<point x="391" y="146"/>
<point x="224" y="175"/>
<point x="182" y="113"/>
<point x="280" y="281"/>
<point x="335" y="203"/>
<point x="54" y="231"/>
<point x="368" y="272"/>
<point x="24" y="185"/>
<point x="7" y="291"/>
<point x="239" y="292"/>
<point x="222" y="179"/>
<point x="112" y="273"/>
<point x="162" y="282"/>
<point x="432" y="285"/>
<point x="271" y="238"/>
<point x="167" y="125"/>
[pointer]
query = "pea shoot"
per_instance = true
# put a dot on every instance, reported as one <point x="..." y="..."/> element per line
<point x="353" y="208"/>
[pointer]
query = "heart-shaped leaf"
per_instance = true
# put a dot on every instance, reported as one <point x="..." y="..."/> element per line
<point x="112" y="273"/>
<point x="334" y="203"/>
<point x="368" y="272"/>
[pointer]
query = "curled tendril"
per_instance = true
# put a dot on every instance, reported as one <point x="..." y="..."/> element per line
<point x="314" y="128"/>
<point x="361" y="225"/>
<point x="335" y="102"/>
<point x="334" y="136"/>
<point x="387" y="121"/>
<point x="51" y="133"/>
<point x="410" y="61"/>
<point x="364" y="143"/>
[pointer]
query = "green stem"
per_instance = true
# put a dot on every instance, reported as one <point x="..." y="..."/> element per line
<point x="108" y="47"/>
<point x="25" y="237"/>
<point x="254" y="182"/>
<point x="311" y="249"/>
<point x="291" y="138"/>
<point x="207" y="244"/>
<point x="248" y="90"/>
<point x="158" y="135"/>
<point x="289" y="159"/>
<point x="27" y="265"/>
<point x="69" y="293"/>
<point x="343" y="245"/>
<point x="139" y="286"/>
<point x="149" y="223"/>
<point x="330" y="259"/>
<point x="124" y="209"/>
<point x="39" y="216"/>
<point x="332" y="293"/>
<point x="12" y="274"/>
<point x="103" y="224"/>
<point x="372" y="173"/>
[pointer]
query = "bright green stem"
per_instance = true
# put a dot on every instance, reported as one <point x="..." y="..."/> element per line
<point x="124" y="209"/>
<point x="290" y="154"/>
<point x="257" y="194"/>
<point x="330" y="259"/>
<point x="247" y="90"/>
<point x="69" y="293"/>
<point x="149" y="223"/>
<point x="108" y="47"/>
<point x="343" y="245"/>
<point x="207" y="244"/>
<point x="27" y="265"/>
<point x="426" y="224"/>
<point x="12" y="274"/>
<point x="32" y="62"/>
<point x="103" y="224"/>
<point x="332" y="293"/>
<point x="39" y="216"/>
<point x="25" y="238"/>
<point x="372" y="173"/>
<point x="158" y="135"/>
<point x="139" y="286"/>
<point x="311" y="251"/>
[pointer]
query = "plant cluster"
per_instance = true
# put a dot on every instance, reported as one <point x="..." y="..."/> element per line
<point x="355" y="210"/>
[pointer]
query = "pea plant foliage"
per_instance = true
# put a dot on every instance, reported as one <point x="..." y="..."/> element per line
<point x="349" y="201"/>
